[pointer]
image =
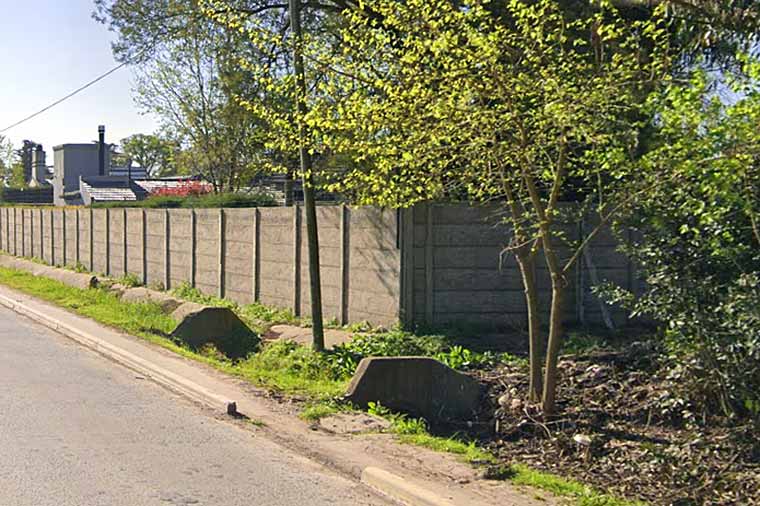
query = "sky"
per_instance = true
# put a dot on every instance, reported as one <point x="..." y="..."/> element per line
<point x="49" y="48"/>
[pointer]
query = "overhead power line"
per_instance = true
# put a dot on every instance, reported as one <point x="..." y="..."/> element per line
<point x="78" y="90"/>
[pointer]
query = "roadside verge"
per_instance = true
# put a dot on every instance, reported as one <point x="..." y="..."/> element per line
<point x="394" y="470"/>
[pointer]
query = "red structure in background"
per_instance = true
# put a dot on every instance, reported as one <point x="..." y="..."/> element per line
<point x="183" y="189"/>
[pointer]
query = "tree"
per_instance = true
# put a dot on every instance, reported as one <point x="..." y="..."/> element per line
<point x="438" y="99"/>
<point x="151" y="152"/>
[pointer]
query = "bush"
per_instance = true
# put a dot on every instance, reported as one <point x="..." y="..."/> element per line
<point x="211" y="200"/>
<point x="699" y="247"/>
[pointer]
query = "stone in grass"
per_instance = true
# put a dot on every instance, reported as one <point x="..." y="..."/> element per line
<point x="201" y="325"/>
<point x="142" y="294"/>
<point x="420" y="386"/>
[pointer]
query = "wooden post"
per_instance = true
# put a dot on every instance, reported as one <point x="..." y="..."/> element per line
<point x="167" y="258"/>
<point x="107" y="233"/>
<point x="256" y="260"/>
<point x="220" y="279"/>
<point x="2" y="229"/>
<point x="344" y="263"/>
<point x="429" y="309"/>
<point x="91" y="239"/>
<point x="193" y="242"/>
<point x="297" y="260"/>
<point x="125" y="252"/>
<point x="144" y="245"/>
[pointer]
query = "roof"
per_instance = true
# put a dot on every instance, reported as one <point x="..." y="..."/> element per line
<point x="81" y="145"/>
<point x="119" y="188"/>
<point x="134" y="172"/>
<point x="112" y="188"/>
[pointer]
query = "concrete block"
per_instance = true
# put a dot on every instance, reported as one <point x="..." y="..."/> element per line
<point x="70" y="278"/>
<point x="141" y="294"/>
<point x="420" y="386"/>
<point x="200" y="325"/>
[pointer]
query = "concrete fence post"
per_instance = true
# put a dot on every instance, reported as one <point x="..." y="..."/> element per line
<point x="77" y="242"/>
<point x="193" y="242"/>
<point x="125" y="252"/>
<point x="52" y="237"/>
<point x="2" y="230"/>
<point x="344" y="262"/>
<point x="15" y="231"/>
<point x="406" y="309"/>
<point x="63" y="237"/>
<point x="23" y="233"/>
<point x="107" y="234"/>
<point x="42" y="235"/>
<point x="143" y="245"/>
<point x="429" y="309"/>
<point x="31" y="231"/>
<point x="297" y="260"/>
<point x="221" y="238"/>
<point x="91" y="239"/>
<point x="256" y="260"/>
<point x="167" y="258"/>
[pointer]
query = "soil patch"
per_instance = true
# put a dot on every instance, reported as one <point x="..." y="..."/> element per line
<point x="622" y="430"/>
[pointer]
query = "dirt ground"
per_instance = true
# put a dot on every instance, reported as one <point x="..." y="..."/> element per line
<point x="619" y="428"/>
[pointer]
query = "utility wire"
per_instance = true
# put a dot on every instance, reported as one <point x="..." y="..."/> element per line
<point x="78" y="90"/>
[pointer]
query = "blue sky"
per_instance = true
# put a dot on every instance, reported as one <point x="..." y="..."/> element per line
<point x="49" y="48"/>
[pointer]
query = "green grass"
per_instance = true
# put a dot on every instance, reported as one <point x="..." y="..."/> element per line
<point x="143" y="319"/>
<point x="256" y="315"/>
<point x="320" y="409"/>
<point x="287" y="367"/>
<point x="582" y="495"/>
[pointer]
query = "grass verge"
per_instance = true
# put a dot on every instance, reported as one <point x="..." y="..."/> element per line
<point x="287" y="367"/>
<point x="583" y="495"/>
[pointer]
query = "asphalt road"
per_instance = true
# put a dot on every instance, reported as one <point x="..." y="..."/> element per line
<point x="77" y="430"/>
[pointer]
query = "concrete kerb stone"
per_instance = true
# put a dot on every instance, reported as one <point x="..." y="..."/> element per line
<point x="200" y="325"/>
<point x="141" y="294"/>
<point x="379" y="479"/>
<point x="401" y="489"/>
<point x="143" y="367"/>
<point x="421" y="386"/>
<point x="79" y="280"/>
<point x="393" y="486"/>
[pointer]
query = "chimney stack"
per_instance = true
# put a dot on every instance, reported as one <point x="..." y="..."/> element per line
<point x="39" y="168"/>
<point x="102" y="150"/>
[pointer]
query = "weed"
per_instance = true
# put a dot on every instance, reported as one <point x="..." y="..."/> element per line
<point x="415" y="431"/>
<point x="317" y="410"/>
<point x="557" y="485"/>
<point x="130" y="280"/>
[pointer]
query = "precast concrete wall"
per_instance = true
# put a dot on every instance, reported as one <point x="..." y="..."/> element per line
<point x="434" y="264"/>
<point x="245" y="255"/>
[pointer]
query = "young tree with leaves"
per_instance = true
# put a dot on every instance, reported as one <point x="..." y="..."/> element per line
<point x="523" y="109"/>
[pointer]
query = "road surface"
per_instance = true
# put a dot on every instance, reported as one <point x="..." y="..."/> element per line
<point x="78" y="430"/>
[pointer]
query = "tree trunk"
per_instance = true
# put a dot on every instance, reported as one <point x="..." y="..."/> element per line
<point x="312" y="235"/>
<point x="552" y="351"/>
<point x="527" y="264"/>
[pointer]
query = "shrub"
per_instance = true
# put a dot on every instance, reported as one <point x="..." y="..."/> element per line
<point x="210" y="200"/>
<point x="698" y="244"/>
